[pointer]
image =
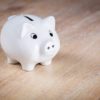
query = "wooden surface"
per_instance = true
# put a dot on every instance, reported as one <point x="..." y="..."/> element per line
<point x="75" y="71"/>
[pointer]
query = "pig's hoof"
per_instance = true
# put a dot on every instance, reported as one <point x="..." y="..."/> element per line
<point x="28" y="67"/>
<point x="47" y="63"/>
<point x="11" y="61"/>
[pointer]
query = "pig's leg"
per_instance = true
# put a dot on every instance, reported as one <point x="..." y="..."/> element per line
<point x="28" y="66"/>
<point x="11" y="61"/>
<point x="47" y="62"/>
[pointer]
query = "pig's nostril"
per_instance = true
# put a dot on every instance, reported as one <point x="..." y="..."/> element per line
<point x="53" y="46"/>
<point x="48" y="48"/>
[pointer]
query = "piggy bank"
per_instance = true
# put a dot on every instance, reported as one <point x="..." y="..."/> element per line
<point x="30" y="40"/>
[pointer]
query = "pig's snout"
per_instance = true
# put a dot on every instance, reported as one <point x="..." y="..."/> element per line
<point x="48" y="48"/>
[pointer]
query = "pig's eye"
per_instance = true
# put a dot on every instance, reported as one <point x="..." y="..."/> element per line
<point x="34" y="36"/>
<point x="51" y="34"/>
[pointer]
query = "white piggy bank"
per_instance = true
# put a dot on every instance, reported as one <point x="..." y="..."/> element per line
<point x="30" y="40"/>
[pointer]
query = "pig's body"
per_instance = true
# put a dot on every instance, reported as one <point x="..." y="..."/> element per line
<point x="25" y="39"/>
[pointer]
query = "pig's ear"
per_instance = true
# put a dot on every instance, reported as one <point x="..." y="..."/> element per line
<point x="50" y="22"/>
<point x="25" y="29"/>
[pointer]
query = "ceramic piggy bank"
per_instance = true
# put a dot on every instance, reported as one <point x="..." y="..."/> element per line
<point x="30" y="40"/>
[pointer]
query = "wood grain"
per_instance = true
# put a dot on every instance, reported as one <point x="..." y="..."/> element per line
<point x="75" y="71"/>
